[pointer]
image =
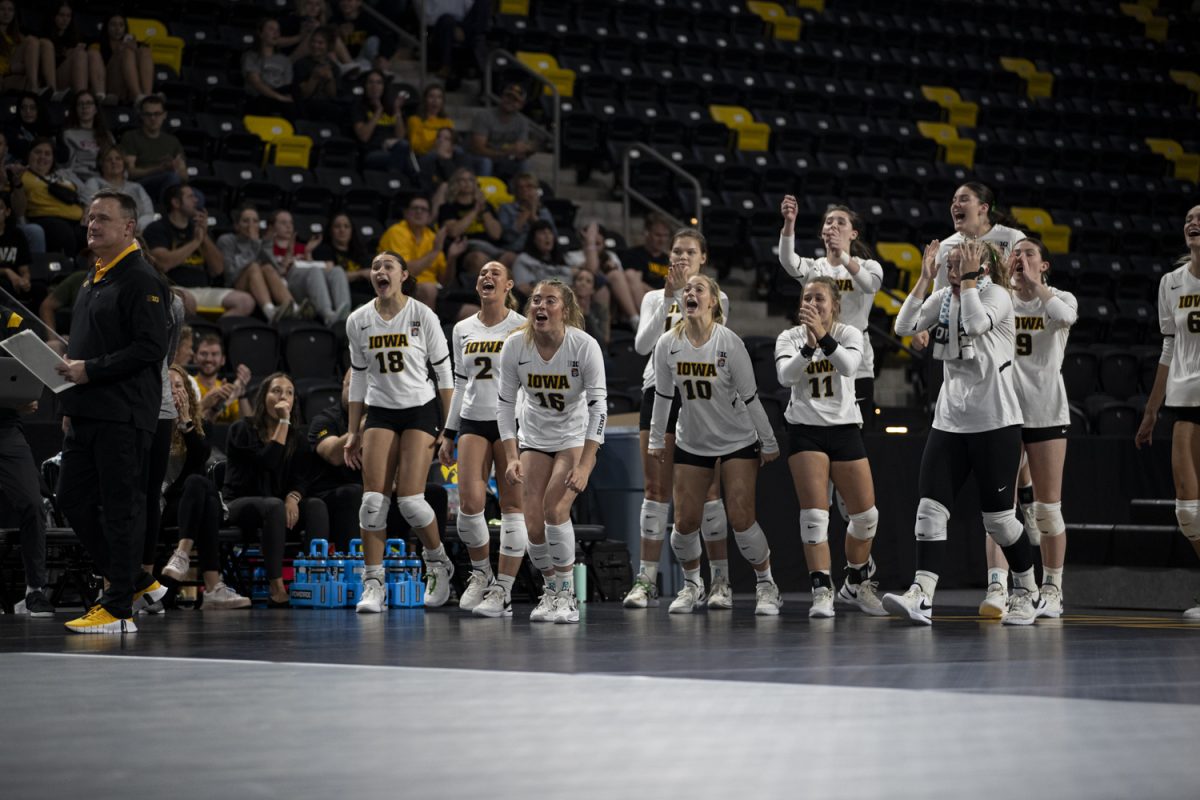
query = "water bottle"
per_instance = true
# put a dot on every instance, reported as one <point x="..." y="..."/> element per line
<point x="451" y="502"/>
<point x="580" y="578"/>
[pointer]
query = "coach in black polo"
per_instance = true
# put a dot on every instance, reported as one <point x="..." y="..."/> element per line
<point x="114" y="358"/>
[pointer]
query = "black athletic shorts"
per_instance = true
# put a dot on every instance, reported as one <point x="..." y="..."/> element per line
<point x="1186" y="413"/>
<point x="647" y="411"/>
<point x="682" y="456"/>
<point x="421" y="418"/>
<point x="1035" y="435"/>
<point x="488" y="429"/>
<point x="839" y="442"/>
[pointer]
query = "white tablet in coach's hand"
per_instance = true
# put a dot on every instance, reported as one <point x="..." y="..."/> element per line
<point x="37" y="357"/>
<point x="18" y="386"/>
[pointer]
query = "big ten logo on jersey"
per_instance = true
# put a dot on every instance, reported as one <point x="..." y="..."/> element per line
<point x="574" y="369"/>
<point x="415" y="330"/>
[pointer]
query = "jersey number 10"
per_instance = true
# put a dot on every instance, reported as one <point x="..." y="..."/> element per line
<point x="698" y="389"/>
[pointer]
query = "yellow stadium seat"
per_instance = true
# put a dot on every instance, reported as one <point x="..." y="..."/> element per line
<point x="1187" y="165"/>
<point x="547" y="66"/>
<point x="952" y="149"/>
<point x="1037" y="83"/>
<point x="1188" y="79"/>
<point x="904" y="256"/>
<point x="1056" y="237"/>
<point x="164" y="48"/>
<point x="816" y="5"/>
<point x="284" y="147"/>
<point x="268" y="128"/>
<point x="959" y="112"/>
<point x="1156" y="27"/>
<point x="782" y="26"/>
<point x="495" y="191"/>
<point x="751" y="135"/>
<point x="515" y="8"/>
<point x="142" y="28"/>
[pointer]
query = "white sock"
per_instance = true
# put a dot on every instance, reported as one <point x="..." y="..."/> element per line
<point x="997" y="575"/>
<point x="566" y="582"/>
<point x="484" y="566"/>
<point x="649" y="571"/>
<point x="506" y="582"/>
<point x="693" y="576"/>
<point x="927" y="581"/>
<point x="435" y="553"/>
<point x="375" y="571"/>
<point x="764" y="576"/>
<point x="719" y="569"/>
<point x="269" y="310"/>
<point x="1025" y="580"/>
<point x="1052" y="577"/>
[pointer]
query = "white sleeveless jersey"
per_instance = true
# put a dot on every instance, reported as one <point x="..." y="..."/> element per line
<point x="1041" y="342"/>
<point x="978" y="393"/>
<point x="566" y="401"/>
<point x="658" y="315"/>
<point x="822" y="386"/>
<point x="857" y="291"/>
<point x="715" y="383"/>
<point x="1001" y="237"/>
<point x="1179" y="317"/>
<point x="394" y="354"/>
<point x="476" y="350"/>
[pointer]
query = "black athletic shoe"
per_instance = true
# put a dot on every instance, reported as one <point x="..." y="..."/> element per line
<point x="36" y="604"/>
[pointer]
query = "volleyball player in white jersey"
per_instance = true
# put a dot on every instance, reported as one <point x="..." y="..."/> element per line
<point x="720" y="420"/>
<point x="560" y="369"/>
<point x="976" y="217"/>
<point x="661" y="311"/>
<point x="818" y="359"/>
<point x="976" y="423"/>
<point x="1177" y="382"/>
<point x="475" y="345"/>
<point x="393" y="341"/>
<point x="848" y="261"/>
<point x="1043" y="317"/>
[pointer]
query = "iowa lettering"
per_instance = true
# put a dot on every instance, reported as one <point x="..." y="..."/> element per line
<point x="845" y="285"/>
<point x="1189" y="301"/>
<point x="817" y="367"/>
<point x="388" y="340"/>
<point x="547" y="382"/>
<point x="1030" y="323"/>
<point x="483" y="347"/>
<point x="695" y="369"/>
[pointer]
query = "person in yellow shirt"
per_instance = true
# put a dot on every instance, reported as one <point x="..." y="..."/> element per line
<point x="219" y="400"/>
<point x="422" y="250"/>
<point x="430" y="118"/>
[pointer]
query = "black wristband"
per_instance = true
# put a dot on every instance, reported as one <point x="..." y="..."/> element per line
<point x="807" y="351"/>
<point x="828" y="343"/>
<point x="971" y="276"/>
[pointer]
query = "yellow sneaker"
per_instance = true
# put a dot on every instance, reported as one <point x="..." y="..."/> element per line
<point x="149" y="600"/>
<point x="98" y="620"/>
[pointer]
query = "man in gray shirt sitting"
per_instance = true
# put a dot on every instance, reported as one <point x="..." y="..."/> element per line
<point x="502" y="140"/>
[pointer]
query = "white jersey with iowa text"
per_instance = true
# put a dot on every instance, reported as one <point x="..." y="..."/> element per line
<point x="822" y="384"/>
<point x="1001" y="237"/>
<point x="1179" y="316"/>
<point x="1041" y="343"/>
<point x="659" y="315"/>
<point x="394" y="354"/>
<point x="476" y="350"/>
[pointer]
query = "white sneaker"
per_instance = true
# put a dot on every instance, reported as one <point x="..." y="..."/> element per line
<point x="864" y="597"/>
<point x="477" y="584"/>
<point x="643" y="594"/>
<point x="1022" y="608"/>
<point x="720" y="595"/>
<point x="1192" y="614"/>
<point x="150" y="599"/>
<point x="222" y="598"/>
<point x="913" y="604"/>
<point x="437" y="583"/>
<point x="822" y="603"/>
<point x="177" y="566"/>
<point x="995" y="602"/>
<point x="565" y="610"/>
<point x="494" y="603"/>
<point x="544" y="608"/>
<point x="1051" y="605"/>
<point x="374" y="597"/>
<point x="767" y="600"/>
<point x="690" y="596"/>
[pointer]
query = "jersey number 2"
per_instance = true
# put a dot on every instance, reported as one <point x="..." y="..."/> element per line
<point x="391" y="361"/>
<point x="485" y="368"/>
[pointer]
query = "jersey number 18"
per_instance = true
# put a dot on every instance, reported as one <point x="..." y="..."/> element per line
<point x="391" y="361"/>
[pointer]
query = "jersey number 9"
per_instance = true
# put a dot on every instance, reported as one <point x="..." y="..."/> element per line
<point x="391" y="361"/>
<point x="551" y="400"/>
<point x="1024" y="344"/>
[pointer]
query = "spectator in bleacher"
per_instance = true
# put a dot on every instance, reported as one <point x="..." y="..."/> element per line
<point x="66" y="61"/>
<point x="250" y="267"/>
<point x="462" y="208"/>
<point x="595" y="314"/>
<point x="316" y="79"/>
<point x="83" y="136"/>
<point x="455" y="23"/>
<point x="15" y="276"/>
<point x="126" y="66"/>
<point x="502" y="138"/>
<point x="439" y="164"/>
<point x="647" y="264"/>
<point x="154" y="157"/>
<point x="543" y="259"/>
<point x="297" y="28"/>
<point x="21" y="490"/>
<point x="31" y="123"/>
<point x="323" y="289"/>
<point x="597" y="259"/>
<point x="378" y="125"/>
<point x="220" y="400"/>
<point x="52" y="199"/>
<point x="345" y="248"/>
<point x="62" y="296"/>
<point x="526" y="208"/>
<point x="10" y="185"/>
<point x="429" y="261"/>
<point x="369" y="46"/>
<point x="267" y="477"/>
<point x="183" y="250"/>
<point x="20" y="61"/>
<point x="114" y="175"/>
<point x="423" y="127"/>
<point x="191" y="501"/>
<point x="268" y="72"/>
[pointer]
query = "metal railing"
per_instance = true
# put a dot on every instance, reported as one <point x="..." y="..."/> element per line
<point x="503" y="58"/>
<point x="637" y="150"/>
<point x="420" y="41"/>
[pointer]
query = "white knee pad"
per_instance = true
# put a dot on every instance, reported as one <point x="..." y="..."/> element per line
<point x="715" y="525"/>
<point x="514" y="538"/>
<point x="685" y="546"/>
<point x="372" y="514"/>
<point x="1048" y="519"/>
<point x="539" y="556"/>
<point x="863" y="524"/>
<point x="473" y="530"/>
<point x="1003" y="526"/>
<point x="415" y="510"/>
<point x="561" y="539"/>
<point x="814" y="525"/>
<point x="932" y="519"/>
<point x="1187" y="512"/>
<point x="752" y="543"/>
<point x="654" y="520"/>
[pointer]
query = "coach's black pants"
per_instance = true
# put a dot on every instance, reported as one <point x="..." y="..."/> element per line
<point x="19" y="484"/>
<point x="103" y="467"/>
<point x="269" y="514"/>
